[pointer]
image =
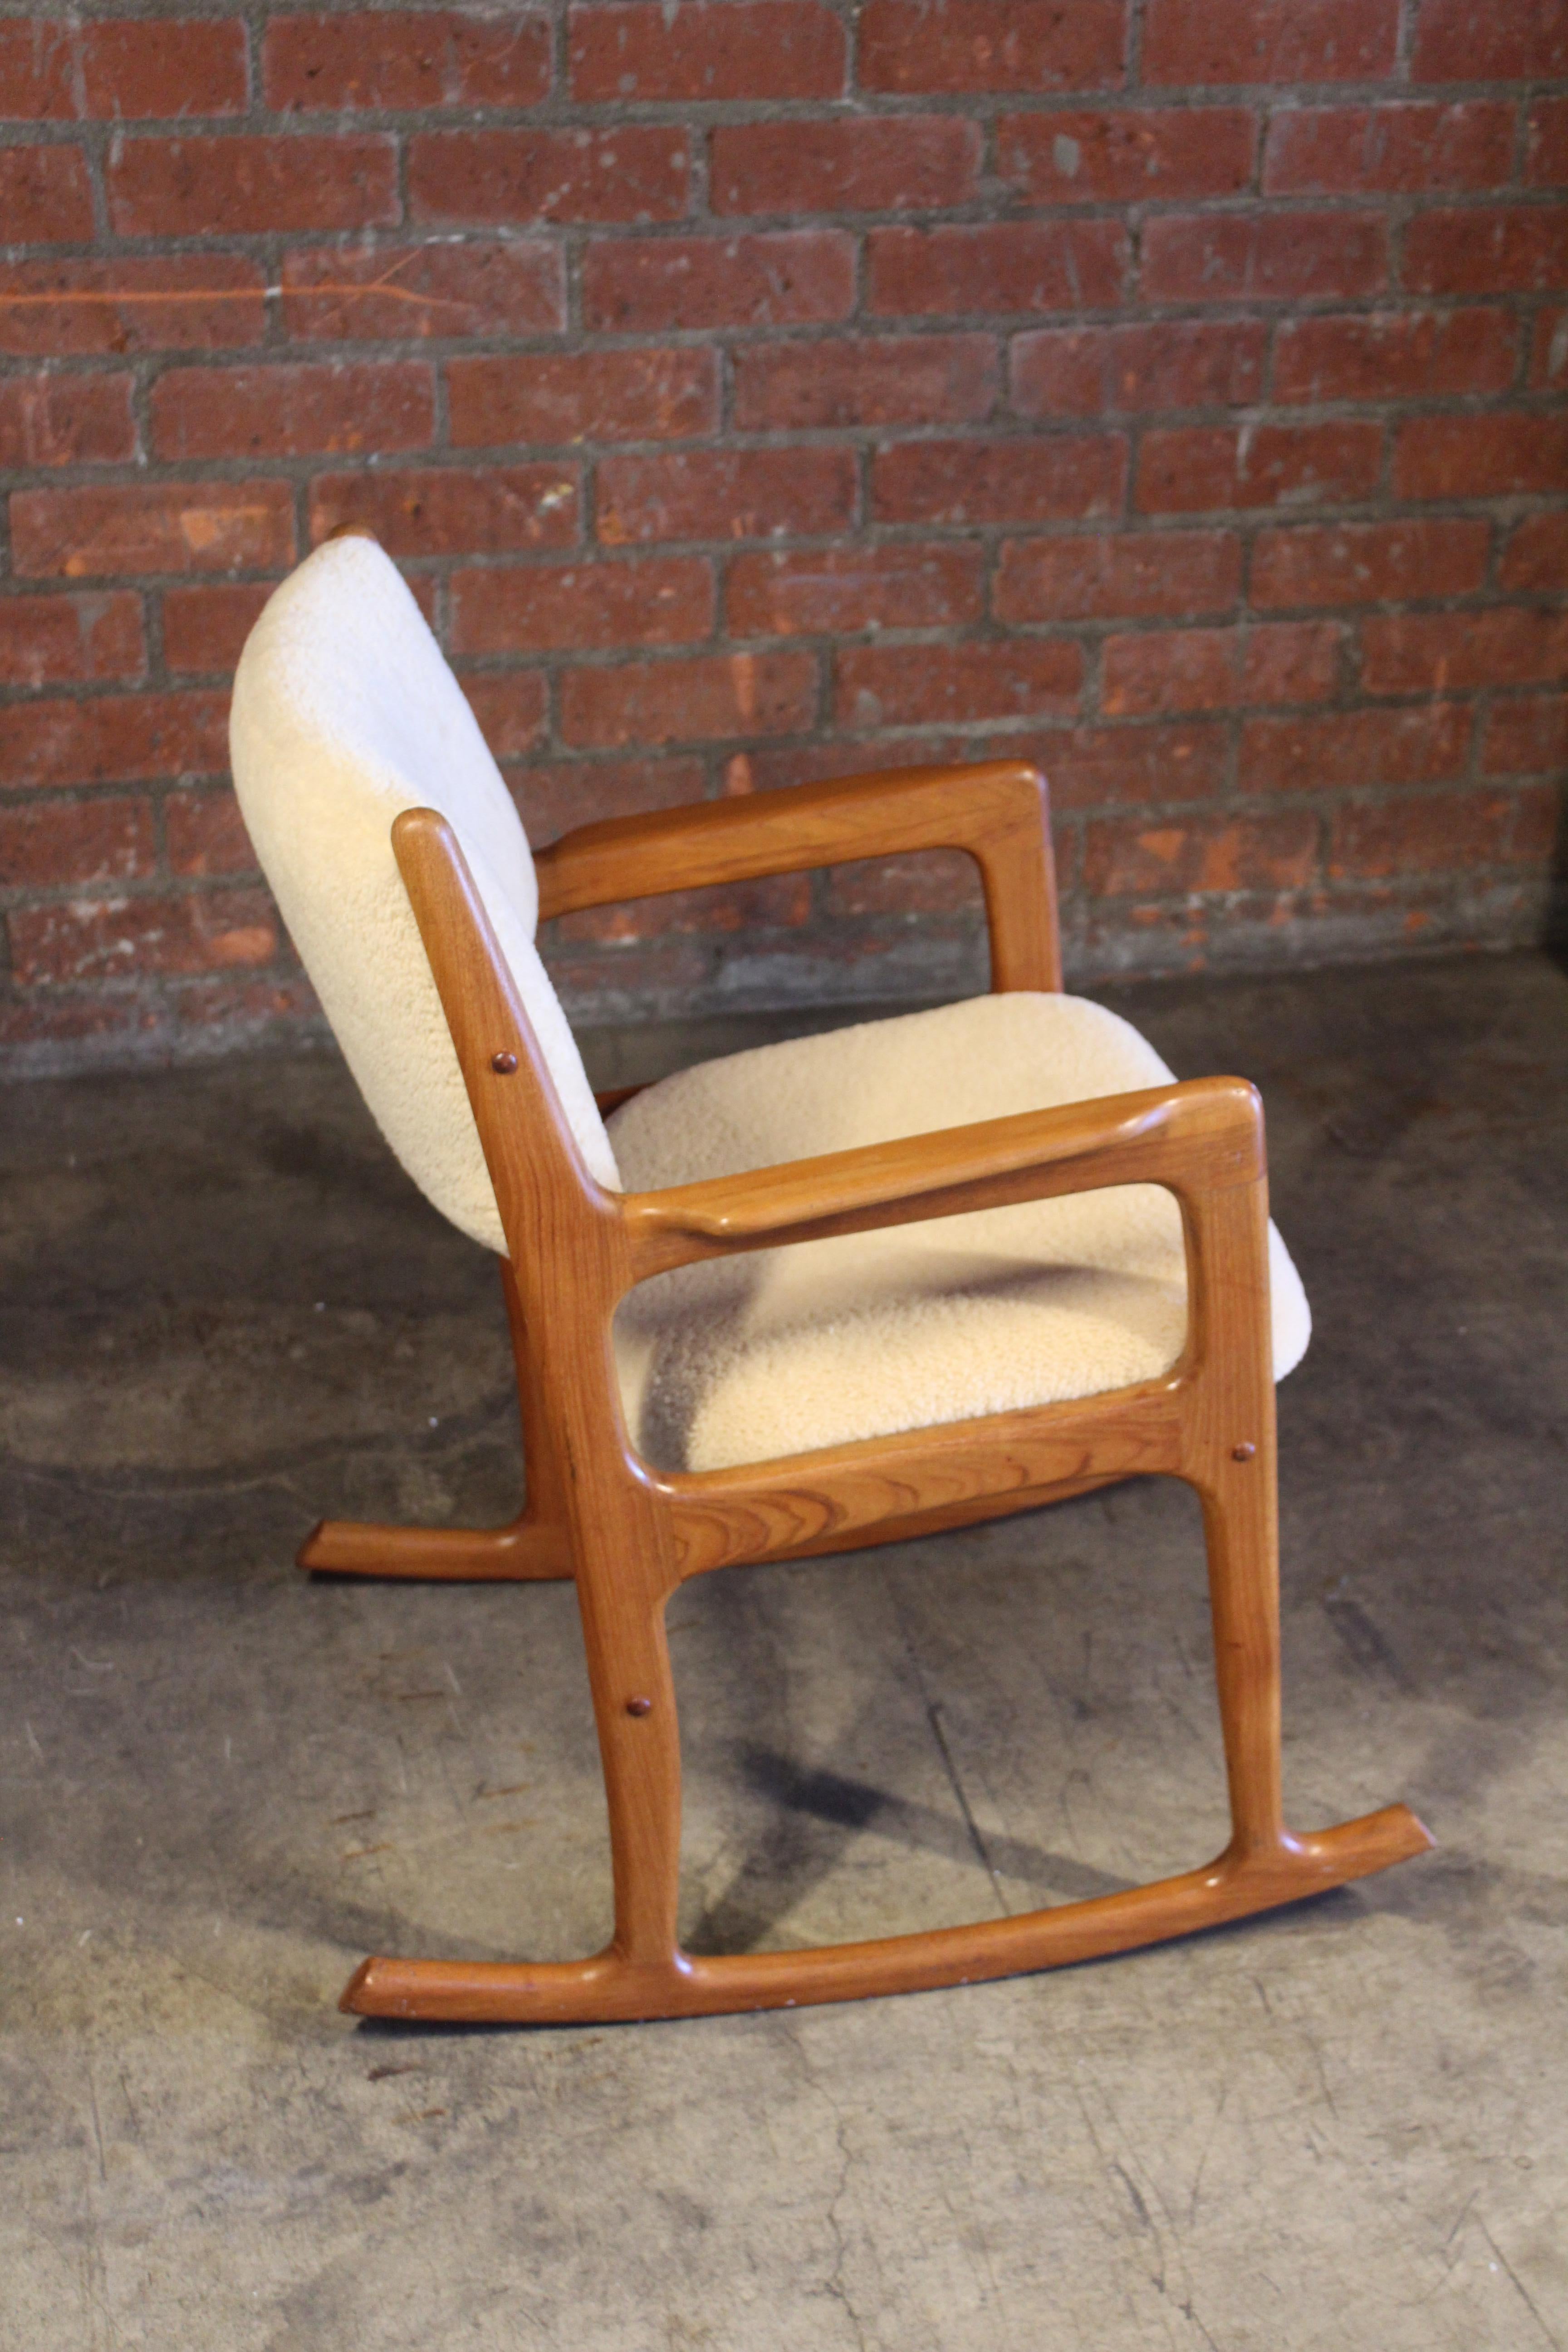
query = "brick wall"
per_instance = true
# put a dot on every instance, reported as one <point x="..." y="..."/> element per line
<point x="1169" y="390"/>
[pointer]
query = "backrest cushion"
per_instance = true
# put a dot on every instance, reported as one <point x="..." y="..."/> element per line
<point x="345" y="714"/>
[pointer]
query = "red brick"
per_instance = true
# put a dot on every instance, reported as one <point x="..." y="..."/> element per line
<point x="540" y="397"/>
<point x="1483" y="457"/>
<point x="1220" y="669"/>
<point x="570" y="793"/>
<point x="1189" y="468"/>
<point x="1528" y="737"/>
<point x="1275" y="852"/>
<point x="1127" y="155"/>
<point x="781" y="902"/>
<point x="55" y="1018"/>
<point x="115" y="739"/>
<point x="114" y="938"/>
<point x="865" y="164"/>
<point x="1489" y="40"/>
<point x="37" y="70"/>
<point x="154" y="527"/>
<point x="1100" y="767"/>
<point x="1121" y="575"/>
<point x="1535" y="560"/>
<point x="45" y="843"/>
<point x="64" y="640"/>
<point x="665" y="971"/>
<point x="185" y="301"/>
<point x="406" y="61"/>
<point x="910" y="380"/>
<point x="583" y="606"/>
<point x="724" y="494"/>
<point x="1537" y="824"/>
<point x="278" y="1002"/>
<point x="65" y="420"/>
<point x="338" y="407"/>
<point x="928" y="882"/>
<point x="1549" y="350"/>
<point x="636" y="172"/>
<point x="205" y="628"/>
<point x="1261" y="256"/>
<point x="1071" y="476"/>
<point x="913" y="47"/>
<point x="1333" y="750"/>
<point x="1269" y="40"/>
<point x="1442" y="652"/>
<point x="937" y="686"/>
<point x="695" y="701"/>
<point x="140" y="68"/>
<point x="795" y="279"/>
<point x="1368" y="562"/>
<point x="1166" y="363"/>
<point x="770" y="767"/>
<point x="445" y="511"/>
<point x="249" y="186"/>
<point x="482" y="287"/>
<point x="843" y="590"/>
<point x="753" y="49"/>
<point x="1397" y="150"/>
<point x="207" y="834"/>
<point x="1489" y="250"/>
<point x="45" y="195"/>
<point x="1056" y="265"/>
<point x="1432" y="833"/>
<point x="1395" y="356"/>
<point x="1546" y="149"/>
<point x="511" y="709"/>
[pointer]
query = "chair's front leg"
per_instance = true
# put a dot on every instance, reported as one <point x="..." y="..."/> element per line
<point x="639" y="1742"/>
<point x="1230" y="1457"/>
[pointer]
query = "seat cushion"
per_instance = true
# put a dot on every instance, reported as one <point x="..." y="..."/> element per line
<point x="779" y="1351"/>
<point x="345" y="714"/>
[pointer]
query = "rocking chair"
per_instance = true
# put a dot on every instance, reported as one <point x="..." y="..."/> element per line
<point x="768" y="1312"/>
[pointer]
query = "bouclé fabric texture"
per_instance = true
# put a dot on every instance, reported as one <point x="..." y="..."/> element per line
<point x="345" y="714"/>
<point x="777" y="1351"/>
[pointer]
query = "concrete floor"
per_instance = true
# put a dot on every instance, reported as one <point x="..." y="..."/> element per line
<point x="227" y="1313"/>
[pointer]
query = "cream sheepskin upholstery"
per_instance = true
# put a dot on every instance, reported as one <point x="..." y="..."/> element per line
<point x="345" y="714"/>
<point x="782" y="1350"/>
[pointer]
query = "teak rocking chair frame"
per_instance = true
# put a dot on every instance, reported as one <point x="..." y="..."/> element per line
<point x="630" y="1534"/>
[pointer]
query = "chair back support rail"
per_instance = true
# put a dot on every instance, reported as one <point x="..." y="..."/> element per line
<point x="630" y="1533"/>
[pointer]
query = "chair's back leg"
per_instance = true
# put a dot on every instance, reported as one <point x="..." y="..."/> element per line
<point x="1230" y="1457"/>
<point x="1242" y="1531"/>
<point x="639" y="1747"/>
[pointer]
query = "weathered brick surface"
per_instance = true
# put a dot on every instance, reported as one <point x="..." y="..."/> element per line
<point x="761" y="390"/>
<point x="420" y="59"/>
<point x="582" y="607"/>
<point x="65" y="640"/>
<point x="624" y="51"/>
<point x="65" y="420"/>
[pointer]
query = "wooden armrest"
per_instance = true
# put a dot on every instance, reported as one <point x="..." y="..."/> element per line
<point x="1202" y="1135"/>
<point x="995" y="811"/>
